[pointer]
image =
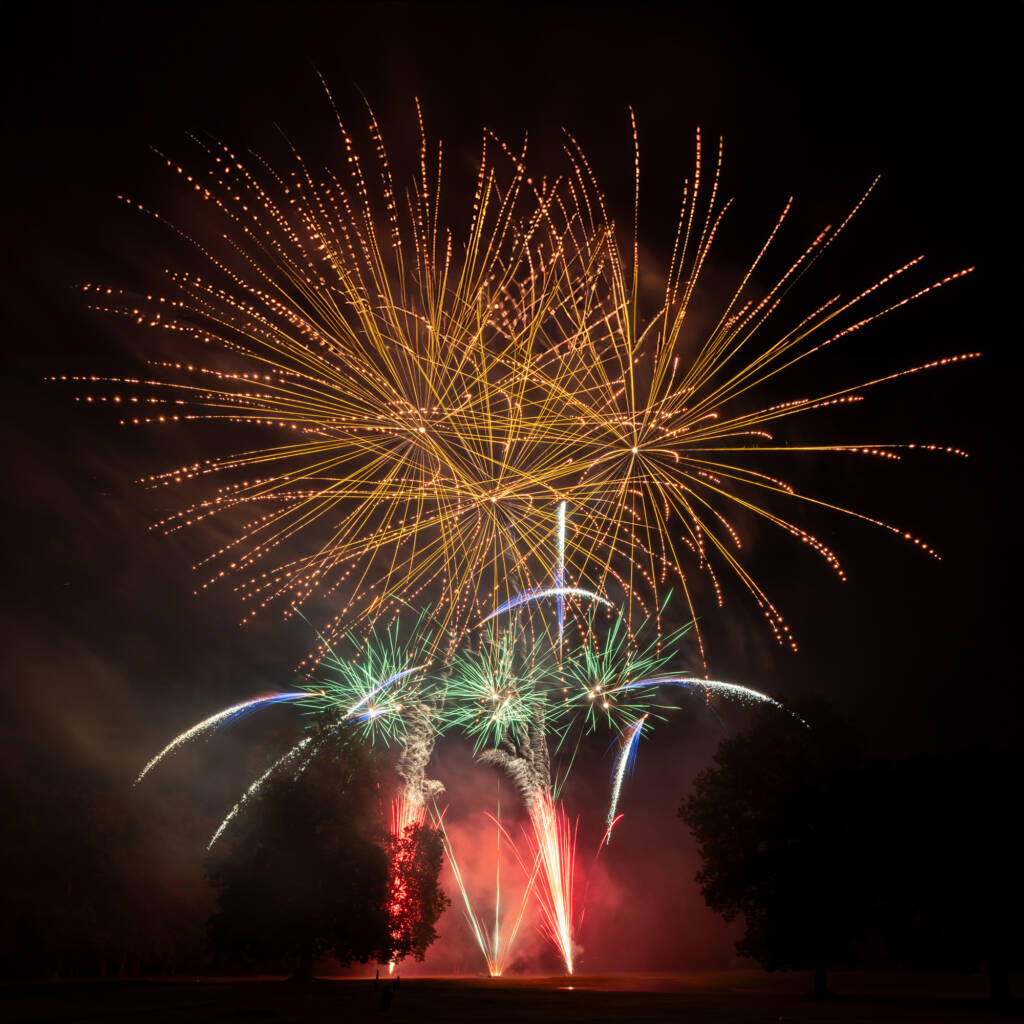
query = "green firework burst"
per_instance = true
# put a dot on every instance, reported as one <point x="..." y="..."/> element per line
<point x="370" y="681"/>
<point x="596" y="672"/>
<point x="508" y="680"/>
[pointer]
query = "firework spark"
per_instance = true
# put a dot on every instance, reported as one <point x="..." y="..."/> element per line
<point x="525" y="758"/>
<point x="539" y="594"/>
<point x="299" y="755"/>
<point x="560" y="570"/>
<point x="495" y="943"/>
<point x="379" y="685"/>
<point x="553" y="842"/>
<point x="407" y="815"/>
<point x="418" y="402"/>
<point x="608" y="657"/>
<point x="623" y="763"/>
<point x="499" y="686"/>
<point x="217" y="720"/>
<point x="744" y="694"/>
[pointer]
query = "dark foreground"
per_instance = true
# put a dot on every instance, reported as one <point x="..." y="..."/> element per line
<point x="693" y="997"/>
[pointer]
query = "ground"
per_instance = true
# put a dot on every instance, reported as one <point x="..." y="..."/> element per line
<point x="694" y="997"/>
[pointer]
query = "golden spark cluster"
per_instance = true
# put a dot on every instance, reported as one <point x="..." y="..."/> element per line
<point x="404" y="404"/>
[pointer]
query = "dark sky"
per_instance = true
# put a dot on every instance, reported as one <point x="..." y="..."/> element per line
<point x="109" y="651"/>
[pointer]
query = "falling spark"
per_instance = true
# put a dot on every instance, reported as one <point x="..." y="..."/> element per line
<point x="255" y="787"/>
<point x="623" y="764"/>
<point x="208" y="724"/>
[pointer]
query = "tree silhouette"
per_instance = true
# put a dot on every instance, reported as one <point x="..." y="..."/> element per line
<point x="307" y="873"/>
<point x="780" y="823"/>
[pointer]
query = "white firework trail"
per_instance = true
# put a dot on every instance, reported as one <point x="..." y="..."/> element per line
<point x="560" y="570"/>
<point x="627" y="750"/>
<point x="380" y="687"/>
<point x="211" y="723"/>
<point x="743" y="693"/>
<point x="539" y="594"/>
<point x="255" y="787"/>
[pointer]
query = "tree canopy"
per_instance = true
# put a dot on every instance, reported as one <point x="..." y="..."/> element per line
<point x="780" y="825"/>
<point x="308" y="871"/>
<point x="416" y="900"/>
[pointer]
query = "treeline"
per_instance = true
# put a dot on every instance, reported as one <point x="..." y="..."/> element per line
<point x="827" y="852"/>
<point x="102" y="880"/>
<point x="832" y="855"/>
<point x="311" y="871"/>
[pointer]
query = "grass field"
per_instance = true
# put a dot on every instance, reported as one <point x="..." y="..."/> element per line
<point x="695" y="997"/>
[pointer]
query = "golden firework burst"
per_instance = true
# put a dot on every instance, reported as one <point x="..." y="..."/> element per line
<point x="417" y="400"/>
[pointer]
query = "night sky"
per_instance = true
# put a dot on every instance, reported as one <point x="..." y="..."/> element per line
<point x="108" y="651"/>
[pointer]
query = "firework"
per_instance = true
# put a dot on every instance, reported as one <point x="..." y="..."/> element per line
<point x="407" y="816"/>
<point x="553" y="843"/>
<point x="706" y="687"/>
<point x="597" y="671"/>
<point x="624" y="764"/>
<point x="381" y="367"/>
<point x="499" y="686"/>
<point x="417" y="740"/>
<point x="409" y="808"/>
<point x="298" y="756"/>
<point x="216" y="721"/>
<point x="524" y="756"/>
<point x="416" y="405"/>
<point x="379" y="685"/>
<point x="676" y="444"/>
<point x="418" y="402"/>
<point x="495" y="943"/>
<point x="560" y="571"/>
<point x="539" y="594"/>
